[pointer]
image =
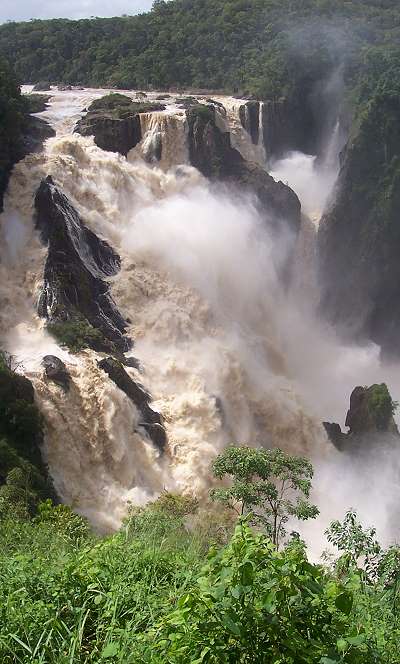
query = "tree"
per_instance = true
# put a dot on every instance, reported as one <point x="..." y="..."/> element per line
<point x="358" y="547"/>
<point x="274" y="482"/>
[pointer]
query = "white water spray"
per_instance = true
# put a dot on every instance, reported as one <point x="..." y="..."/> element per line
<point x="227" y="354"/>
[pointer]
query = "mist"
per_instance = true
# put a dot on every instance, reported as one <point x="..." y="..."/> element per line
<point x="229" y="353"/>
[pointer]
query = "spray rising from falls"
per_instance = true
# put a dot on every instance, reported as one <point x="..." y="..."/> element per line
<point x="227" y="354"/>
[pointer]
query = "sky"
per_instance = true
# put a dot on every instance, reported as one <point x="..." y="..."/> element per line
<point x="23" y="10"/>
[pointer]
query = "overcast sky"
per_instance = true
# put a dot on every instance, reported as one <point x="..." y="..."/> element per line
<point x="23" y="10"/>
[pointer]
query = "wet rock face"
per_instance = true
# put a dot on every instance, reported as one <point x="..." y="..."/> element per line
<point x="359" y="236"/>
<point x="76" y="267"/>
<point x="210" y="151"/>
<point x="110" y="133"/>
<point x="278" y="132"/>
<point x="250" y="118"/>
<point x="369" y="419"/>
<point x="20" y="422"/>
<point x="114" y="122"/>
<point x="152" y="422"/>
<point x="56" y="371"/>
<point x="36" y="133"/>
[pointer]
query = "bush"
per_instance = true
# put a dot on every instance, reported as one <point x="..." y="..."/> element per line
<point x="75" y="333"/>
<point x="252" y="604"/>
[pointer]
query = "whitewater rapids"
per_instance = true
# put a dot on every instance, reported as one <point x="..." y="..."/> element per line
<point x="227" y="355"/>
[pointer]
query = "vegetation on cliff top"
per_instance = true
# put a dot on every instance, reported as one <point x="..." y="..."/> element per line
<point x="265" y="47"/>
<point x="12" y="119"/>
<point x="23" y="477"/>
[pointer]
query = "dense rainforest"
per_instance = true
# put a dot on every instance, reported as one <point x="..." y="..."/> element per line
<point x="12" y="118"/>
<point x="264" y="47"/>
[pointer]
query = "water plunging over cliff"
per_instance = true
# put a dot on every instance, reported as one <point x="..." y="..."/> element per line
<point x="164" y="139"/>
<point x="225" y="351"/>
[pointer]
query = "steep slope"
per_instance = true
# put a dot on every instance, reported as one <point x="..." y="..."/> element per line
<point x="359" y="238"/>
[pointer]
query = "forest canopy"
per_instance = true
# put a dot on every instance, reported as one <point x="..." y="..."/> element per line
<point x="262" y="47"/>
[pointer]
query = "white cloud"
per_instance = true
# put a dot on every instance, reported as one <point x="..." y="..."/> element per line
<point x="23" y="10"/>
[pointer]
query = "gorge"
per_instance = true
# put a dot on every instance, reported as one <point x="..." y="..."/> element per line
<point x="199" y="347"/>
<point x="179" y="258"/>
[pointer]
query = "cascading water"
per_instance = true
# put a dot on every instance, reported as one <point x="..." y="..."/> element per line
<point x="164" y="139"/>
<point x="240" y="136"/>
<point x="226" y="353"/>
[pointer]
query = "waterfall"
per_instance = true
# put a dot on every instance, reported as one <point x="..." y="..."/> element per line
<point x="164" y="139"/>
<point x="227" y="354"/>
<point x="240" y="136"/>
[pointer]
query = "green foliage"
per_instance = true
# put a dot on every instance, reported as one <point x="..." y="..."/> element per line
<point x="110" y="102"/>
<point x="251" y="600"/>
<point x="23" y="477"/>
<point x="381" y="405"/>
<point x="273" y="482"/>
<point x="12" y="119"/>
<point x="75" y="333"/>
<point x="264" y="47"/>
<point x="74" y="528"/>
<point x="36" y="103"/>
<point x="358" y="546"/>
<point x="157" y="596"/>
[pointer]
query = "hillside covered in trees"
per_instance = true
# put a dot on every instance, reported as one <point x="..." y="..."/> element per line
<point x="263" y="47"/>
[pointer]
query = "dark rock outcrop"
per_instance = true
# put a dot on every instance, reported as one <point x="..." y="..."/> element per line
<point x="77" y="264"/>
<point x="249" y="115"/>
<point x="56" y="371"/>
<point x="279" y="132"/>
<point x="211" y="152"/>
<point x="369" y="420"/>
<point x="115" y="123"/>
<point x="152" y="422"/>
<point x="359" y="236"/>
<point x="42" y="86"/>
<point x="36" y="132"/>
<point x="20" y="422"/>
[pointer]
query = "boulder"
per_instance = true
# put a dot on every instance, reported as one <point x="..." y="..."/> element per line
<point x="152" y="421"/>
<point x="211" y="153"/>
<point x="114" y="121"/>
<point x="56" y="371"/>
<point x="42" y="86"/>
<point x="75" y="292"/>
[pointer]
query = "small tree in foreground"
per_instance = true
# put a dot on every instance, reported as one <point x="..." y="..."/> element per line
<point x="271" y="484"/>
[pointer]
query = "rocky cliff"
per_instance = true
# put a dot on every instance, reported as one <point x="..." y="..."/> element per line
<point x="75" y="296"/>
<point x="211" y="152"/>
<point x="115" y="123"/>
<point x="359" y="238"/>
<point x="23" y="476"/>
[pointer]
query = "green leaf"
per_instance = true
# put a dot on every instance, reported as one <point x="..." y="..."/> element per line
<point x="344" y="602"/>
<point x="230" y="625"/>
<point x="111" y="650"/>
<point x="247" y="573"/>
<point x="356" y="640"/>
<point x="341" y="645"/>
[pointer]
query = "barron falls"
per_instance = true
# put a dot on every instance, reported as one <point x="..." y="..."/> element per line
<point x="164" y="269"/>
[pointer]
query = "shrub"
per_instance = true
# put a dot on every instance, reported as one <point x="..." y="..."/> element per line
<point x="75" y="333"/>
